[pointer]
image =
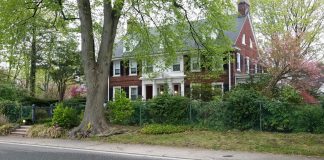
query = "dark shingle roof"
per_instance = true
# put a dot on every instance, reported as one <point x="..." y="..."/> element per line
<point x="189" y="43"/>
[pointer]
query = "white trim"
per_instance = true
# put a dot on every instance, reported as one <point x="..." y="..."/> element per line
<point x="238" y="62"/>
<point x="247" y="67"/>
<point x="178" y="62"/>
<point x="131" y="62"/>
<point x="130" y="92"/>
<point x="243" y="39"/>
<point x="256" y="68"/>
<point x="251" y="44"/>
<point x="114" y="88"/>
<point x="114" y="68"/>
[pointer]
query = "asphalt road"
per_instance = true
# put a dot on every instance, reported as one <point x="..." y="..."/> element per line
<point x="24" y="152"/>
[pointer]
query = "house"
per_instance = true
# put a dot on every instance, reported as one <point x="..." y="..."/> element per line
<point x="137" y="85"/>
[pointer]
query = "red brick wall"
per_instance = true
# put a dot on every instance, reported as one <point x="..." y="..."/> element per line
<point x="125" y="81"/>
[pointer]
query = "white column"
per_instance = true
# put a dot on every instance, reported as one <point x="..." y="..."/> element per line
<point x="143" y="91"/>
<point x="170" y="86"/>
<point x="182" y="89"/>
<point x="154" y="88"/>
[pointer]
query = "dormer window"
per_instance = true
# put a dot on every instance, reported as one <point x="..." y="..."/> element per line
<point x="132" y="67"/>
<point x="251" y="44"/>
<point x="116" y="68"/>
<point x="243" y="39"/>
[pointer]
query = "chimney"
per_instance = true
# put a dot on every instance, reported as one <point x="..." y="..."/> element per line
<point x="244" y="7"/>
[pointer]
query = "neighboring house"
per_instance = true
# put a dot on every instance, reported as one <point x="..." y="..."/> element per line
<point x="245" y="58"/>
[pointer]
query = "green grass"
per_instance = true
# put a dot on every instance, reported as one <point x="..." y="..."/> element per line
<point x="252" y="141"/>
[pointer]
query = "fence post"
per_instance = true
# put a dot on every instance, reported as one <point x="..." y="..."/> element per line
<point x="33" y="113"/>
<point x="260" y="120"/>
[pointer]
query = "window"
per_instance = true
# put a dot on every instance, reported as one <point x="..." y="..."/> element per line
<point x="176" y="65"/>
<point x="195" y="64"/>
<point x="238" y="62"/>
<point x="132" y="67"/>
<point x="133" y="90"/>
<point x="247" y="65"/>
<point x="251" y="44"/>
<point x="116" y="68"/>
<point x="256" y="68"/>
<point x="218" y="86"/>
<point x="243" y="39"/>
<point x="116" y="89"/>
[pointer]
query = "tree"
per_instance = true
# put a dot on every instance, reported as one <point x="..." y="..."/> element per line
<point x="290" y="34"/>
<point x="64" y="65"/>
<point x="141" y="15"/>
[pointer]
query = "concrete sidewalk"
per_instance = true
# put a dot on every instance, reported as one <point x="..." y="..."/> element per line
<point x="154" y="151"/>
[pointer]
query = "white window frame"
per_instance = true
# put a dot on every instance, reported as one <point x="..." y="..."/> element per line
<point x="243" y="39"/>
<point x="191" y="64"/>
<point x="247" y="65"/>
<point x="130" y="92"/>
<point x="238" y="62"/>
<point x="218" y="84"/>
<point x="256" y="68"/>
<point x="251" y="44"/>
<point x="178" y="62"/>
<point x="115" y="64"/>
<point x="132" y="64"/>
<point x="114" y="91"/>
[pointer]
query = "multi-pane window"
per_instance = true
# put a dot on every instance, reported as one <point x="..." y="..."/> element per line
<point x="238" y="62"/>
<point x="176" y="65"/>
<point x="132" y="67"/>
<point x="133" y="90"/>
<point x="195" y="64"/>
<point x="116" y="89"/>
<point x="116" y="68"/>
<point x="243" y="39"/>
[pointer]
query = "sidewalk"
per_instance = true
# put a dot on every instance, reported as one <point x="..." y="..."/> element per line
<point x="154" y="151"/>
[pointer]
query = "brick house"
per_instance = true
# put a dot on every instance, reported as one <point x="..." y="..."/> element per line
<point x="237" y="71"/>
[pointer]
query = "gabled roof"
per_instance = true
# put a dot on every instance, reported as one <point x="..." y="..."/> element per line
<point x="189" y="43"/>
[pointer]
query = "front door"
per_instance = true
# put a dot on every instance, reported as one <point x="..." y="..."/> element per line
<point x="149" y="92"/>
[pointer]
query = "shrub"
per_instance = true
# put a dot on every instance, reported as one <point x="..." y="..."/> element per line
<point x="65" y="117"/>
<point x="46" y="132"/>
<point x="205" y="92"/>
<point x="41" y="114"/>
<point x="8" y="91"/>
<point x="120" y="110"/>
<point x="309" y="119"/>
<point x="3" y="119"/>
<point x="168" y="109"/>
<point x="141" y="114"/>
<point x="11" y="109"/>
<point x="242" y="109"/>
<point x="163" y="129"/>
<point x="6" y="129"/>
<point x="208" y="114"/>
<point x="277" y="116"/>
<point x="288" y="94"/>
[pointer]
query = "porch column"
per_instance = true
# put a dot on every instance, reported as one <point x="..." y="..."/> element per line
<point x="143" y="91"/>
<point x="154" y="88"/>
<point x="182" y="89"/>
<point x="170" y="86"/>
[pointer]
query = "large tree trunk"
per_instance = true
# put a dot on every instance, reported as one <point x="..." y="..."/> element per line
<point x="33" y="58"/>
<point x="96" y="70"/>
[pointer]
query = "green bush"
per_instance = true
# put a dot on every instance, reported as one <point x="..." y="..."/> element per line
<point x="163" y="129"/>
<point x="309" y="119"/>
<point x="208" y="114"/>
<point x="288" y="94"/>
<point x="6" y="129"/>
<point x="168" y="109"/>
<point x="44" y="131"/>
<point x="3" y="119"/>
<point x="9" y="91"/>
<point x="65" y="117"/>
<point x="141" y="114"/>
<point x="242" y="109"/>
<point x="11" y="109"/>
<point x="277" y="116"/>
<point x="120" y="110"/>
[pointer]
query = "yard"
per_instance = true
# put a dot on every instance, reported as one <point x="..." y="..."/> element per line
<point x="252" y="141"/>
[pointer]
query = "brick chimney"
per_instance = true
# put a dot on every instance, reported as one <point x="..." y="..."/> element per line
<point x="244" y="7"/>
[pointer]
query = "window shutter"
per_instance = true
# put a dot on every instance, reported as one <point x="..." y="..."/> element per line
<point x="126" y="89"/>
<point x="122" y="68"/>
<point x="110" y="94"/>
<point x="242" y="62"/>
<point x="127" y="68"/>
<point x="111" y="68"/>
<point x="139" y="91"/>
<point x="186" y="59"/>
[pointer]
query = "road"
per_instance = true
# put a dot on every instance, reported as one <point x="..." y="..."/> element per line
<point x="25" y="152"/>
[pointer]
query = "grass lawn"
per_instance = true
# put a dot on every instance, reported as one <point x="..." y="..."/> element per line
<point x="296" y="143"/>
